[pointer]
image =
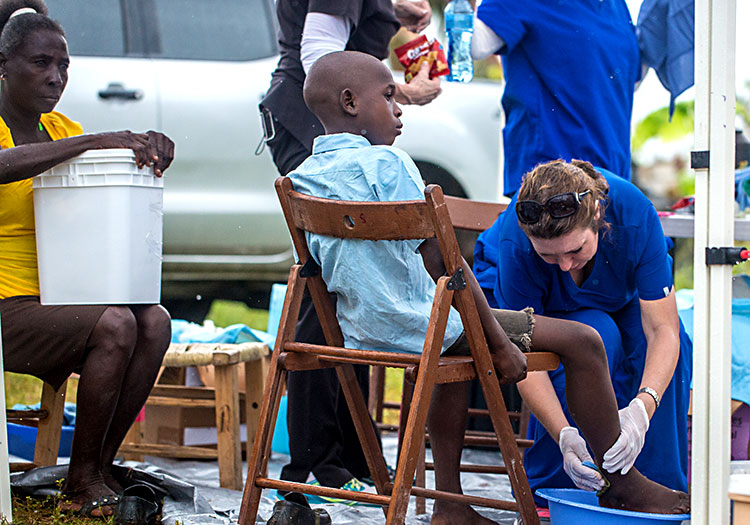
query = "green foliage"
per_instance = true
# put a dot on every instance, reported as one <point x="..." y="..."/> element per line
<point x="657" y="124"/>
<point x="27" y="390"/>
<point x="225" y="313"/>
<point x="686" y="182"/>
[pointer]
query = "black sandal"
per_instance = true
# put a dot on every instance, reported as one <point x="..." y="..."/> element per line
<point x="138" y="506"/>
<point x="287" y="512"/>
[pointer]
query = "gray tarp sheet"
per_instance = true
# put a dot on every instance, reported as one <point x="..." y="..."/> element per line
<point x="194" y="497"/>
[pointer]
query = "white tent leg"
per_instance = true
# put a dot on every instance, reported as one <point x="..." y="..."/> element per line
<point x="714" y="227"/>
<point x="6" y="511"/>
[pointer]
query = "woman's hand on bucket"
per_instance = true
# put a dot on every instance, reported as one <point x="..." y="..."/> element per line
<point x="151" y="148"/>
<point x="164" y="151"/>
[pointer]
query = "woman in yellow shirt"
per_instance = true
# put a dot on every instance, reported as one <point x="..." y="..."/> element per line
<point x="116" y="349"/>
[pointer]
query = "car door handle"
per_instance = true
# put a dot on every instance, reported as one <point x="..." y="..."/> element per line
<point x="116" y="90"/>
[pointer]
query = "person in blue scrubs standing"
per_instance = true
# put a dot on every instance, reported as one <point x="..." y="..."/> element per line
<point x="570" y="70"/>
<point x="586" y="245"/>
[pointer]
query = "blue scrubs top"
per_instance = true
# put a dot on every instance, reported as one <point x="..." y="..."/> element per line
<point x="570" y="67"/>
<point x="631" y="263"/>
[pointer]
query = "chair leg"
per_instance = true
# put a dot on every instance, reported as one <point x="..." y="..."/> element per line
<point x="420" y="481"/>
<point x="377" y="393"/>
<point x="506" y="441"/>
<point x="228" y="427"/>
<point x="412" y="441"/>
<point x="258" y="462"/>
<point x="49" y="429"/>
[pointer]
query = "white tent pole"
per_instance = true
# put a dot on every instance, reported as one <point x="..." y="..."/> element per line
<point x="714" y="227"/>
<point x="6" y="509"/>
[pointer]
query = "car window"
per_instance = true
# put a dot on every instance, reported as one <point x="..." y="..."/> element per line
<point x="215" y="29"/>
<point x="91" y="31"/>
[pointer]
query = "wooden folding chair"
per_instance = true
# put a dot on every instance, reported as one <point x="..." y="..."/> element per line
<point x="473" y="217"/>
<point x="383" y="221"/>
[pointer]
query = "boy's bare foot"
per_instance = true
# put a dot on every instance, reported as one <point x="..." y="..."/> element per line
<point x="449" y="513"/>
<point x="509" y="364"/>
<point x="635" y="492"/>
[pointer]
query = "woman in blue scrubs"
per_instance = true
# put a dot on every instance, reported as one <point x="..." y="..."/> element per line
<point x="570" y="70"/>
<point x="586" y="245"/>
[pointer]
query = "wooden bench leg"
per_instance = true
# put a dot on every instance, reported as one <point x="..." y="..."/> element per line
<point x="228" y="427"/>
<point x="255" y="380"/>
<point x="49" y="429"/>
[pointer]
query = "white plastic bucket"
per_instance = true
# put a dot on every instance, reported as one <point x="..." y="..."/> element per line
<point x="99" y="230"/>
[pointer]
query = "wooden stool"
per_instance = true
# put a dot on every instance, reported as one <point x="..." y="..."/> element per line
<point x="48" y="422"/>
<point x="224" y="399"/>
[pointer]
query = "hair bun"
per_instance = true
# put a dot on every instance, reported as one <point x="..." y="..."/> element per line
<point x="587" y="168"/>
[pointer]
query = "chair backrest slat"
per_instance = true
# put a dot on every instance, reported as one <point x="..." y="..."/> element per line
<point x="473" y="215"/>
<point x="361" y="220"/>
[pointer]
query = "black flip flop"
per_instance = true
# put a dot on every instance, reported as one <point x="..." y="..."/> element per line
<point x="138" y="506"/>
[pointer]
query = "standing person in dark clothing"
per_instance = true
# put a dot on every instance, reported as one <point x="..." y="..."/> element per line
<point x="322" y="438"/>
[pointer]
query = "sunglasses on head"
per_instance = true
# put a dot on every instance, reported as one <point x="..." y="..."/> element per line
<point x="558" y="206"/>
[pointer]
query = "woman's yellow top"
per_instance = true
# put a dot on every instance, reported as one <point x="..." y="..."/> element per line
<point x="18" y="263"/>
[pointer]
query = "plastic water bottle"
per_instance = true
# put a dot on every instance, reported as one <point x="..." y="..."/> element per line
<point x="459" y="25"/>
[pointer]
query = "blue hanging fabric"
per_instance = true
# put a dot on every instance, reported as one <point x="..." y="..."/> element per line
<point x="666" y="33"/>
<point x="740" y="334"/>
<point x="742" y="188"/>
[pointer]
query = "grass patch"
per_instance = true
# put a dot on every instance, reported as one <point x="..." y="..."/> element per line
<point x="44" y="511"/>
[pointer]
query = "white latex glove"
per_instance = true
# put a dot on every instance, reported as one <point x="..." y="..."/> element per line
<point x="573" y="448"/>
<point x="633" y="426"/>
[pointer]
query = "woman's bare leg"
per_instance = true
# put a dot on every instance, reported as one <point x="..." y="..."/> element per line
<point x="587" y="378"/>
<point x="109" y="351"/>
<point x="154" y="334"/>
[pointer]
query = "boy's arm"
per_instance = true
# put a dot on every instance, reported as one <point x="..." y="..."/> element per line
<point x="508" y="359"/>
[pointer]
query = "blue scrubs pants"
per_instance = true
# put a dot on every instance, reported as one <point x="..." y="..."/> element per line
<point x="664" y="455"/>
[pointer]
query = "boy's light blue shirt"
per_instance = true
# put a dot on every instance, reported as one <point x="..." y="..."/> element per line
<point x="384" y="291"/>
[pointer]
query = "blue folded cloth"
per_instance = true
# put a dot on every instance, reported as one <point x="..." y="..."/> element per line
<point x="187" y="332"/>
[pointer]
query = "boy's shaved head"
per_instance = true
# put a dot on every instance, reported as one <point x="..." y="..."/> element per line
<point x="333" y="73"/>
<point x="352" y="92"/>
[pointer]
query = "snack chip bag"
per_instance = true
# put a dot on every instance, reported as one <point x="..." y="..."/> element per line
<point x="414" y="53"/>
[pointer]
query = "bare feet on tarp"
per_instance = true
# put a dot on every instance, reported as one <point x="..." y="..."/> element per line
<point x="448" y="513"/>
<point x="95" y="500"/>
<point x="635" y="492"/>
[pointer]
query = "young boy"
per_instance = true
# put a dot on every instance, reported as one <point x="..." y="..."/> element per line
<point x="385" y="290"/>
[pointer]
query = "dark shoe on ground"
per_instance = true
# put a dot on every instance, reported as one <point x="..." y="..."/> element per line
<point x="138" y="506"/>
<point x="289" y="513"/>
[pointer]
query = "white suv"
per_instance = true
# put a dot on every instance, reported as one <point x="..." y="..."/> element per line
<point x="196" y="70"/>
